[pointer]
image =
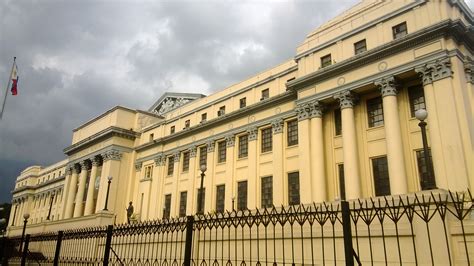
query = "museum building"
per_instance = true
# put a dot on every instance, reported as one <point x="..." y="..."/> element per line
<point x="335" y="122"/>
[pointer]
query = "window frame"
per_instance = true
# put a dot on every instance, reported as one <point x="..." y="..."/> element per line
<point x="183" y="203"/>
<point x="172" y="129"/>
<point x="326" y="60"/>
<point x="243" y="146"/>
<point x="202" y="156"/>
<point x="292" y="132"/>
<point x="396" y="33"/>
<point x="422" y="168"/>
<point x="203" y="200"/>
<point x="375" y="115"/>
<point x="186" y="159"/>
<point x="381" y="179"/>
<point x="170" y="170"/>
<point x="337" y="122"/>
<point x="265" y="94"/>
<point x="148" y="171"/>
<point x="242" y="195"/>
<point x="203" y="117"/>
<point x="243" y="102"/>
<point x="361" y="49"/>
<point x="187" y="124"/>
<point x="221" y="111"/>
<point x="220" y="198"/>
<point x="167" y="207"/>
<point x="416" y="98"/>
<point x="342" y="181"/>
<point x="266" y="191"/>
<point x="294" y="187"/>
<point x="221" y="152"/>
<point x="267" y="140"/>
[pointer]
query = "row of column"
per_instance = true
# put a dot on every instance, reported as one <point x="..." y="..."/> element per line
<point x="19" y="208"/>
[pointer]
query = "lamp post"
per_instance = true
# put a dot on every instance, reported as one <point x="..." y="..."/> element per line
<point x="107" y="194"/>
<point x="26" y="216"/>
<point x="200" y="207"/>
<point x="50" y="205"/>
<point x="428" y="182"/>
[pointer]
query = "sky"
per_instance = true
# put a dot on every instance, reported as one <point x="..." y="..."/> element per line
<point x="77" y="59"/>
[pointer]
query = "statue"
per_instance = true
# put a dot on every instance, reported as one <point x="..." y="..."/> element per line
<point x="129" y="211"/>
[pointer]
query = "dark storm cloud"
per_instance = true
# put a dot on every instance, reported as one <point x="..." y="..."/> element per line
<point x="79" y="58"/>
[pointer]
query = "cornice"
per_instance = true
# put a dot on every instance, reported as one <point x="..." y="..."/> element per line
<point x="288" y="95"/>
<point x="106" y="133"/>
<point x="445" y="28"/>
<point x="362" y="28"/>
<point x="49" y="182"/>
<point x="113" y="147"/>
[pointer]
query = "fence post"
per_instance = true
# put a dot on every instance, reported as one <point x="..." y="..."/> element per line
<point x="108" y="243"/>
<point x="346" y="228"/>
<point x="189" y="240"/>
<point x="25" y="250"/>
<point x="58" y="248"/>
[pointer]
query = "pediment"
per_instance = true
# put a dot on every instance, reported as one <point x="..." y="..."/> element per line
<point x="172" y="100"/>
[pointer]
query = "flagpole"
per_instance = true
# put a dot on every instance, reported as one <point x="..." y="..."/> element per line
<point x="8" y="86"/>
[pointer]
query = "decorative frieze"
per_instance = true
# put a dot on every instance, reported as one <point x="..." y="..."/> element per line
<point x="316" y="109"/>
<point x="388" y="86"/>
<point x="192" y="151"/>
<point x="434" y="71"/>
<point x="112" y="155"/>
<point x="230" y="140"/>
<point x="469" y="69"/>
<point x="277" y="126"/>
<point x="210" y="145"/>
<point x="253" y="133"/>
<point x="347" y="99"/>
<point x="303" y="111"/>
<point x="160" y="159"/>
<point x="138" y="166"/>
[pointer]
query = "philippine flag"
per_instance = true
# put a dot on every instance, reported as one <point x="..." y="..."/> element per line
<point x="15" y="79"/>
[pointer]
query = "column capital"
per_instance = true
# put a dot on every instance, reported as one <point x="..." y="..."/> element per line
<point x="388" y="86"/>
<point x="469" y="69"/>
<point x="160" y="159"/>
<point x="347" y="99"/>
<point x="302" y="111"/>
<point x="230" y="140"/>
<point x="192" y="151"/>
<point x="95" y="161"/>
<point x="277" y="126"/>
<point x="435" y="70"/>
<point x="253" y="133"/>
<point x="76" y="168"/>
<point x="210" y="145"/>
<point x="68" y="170"/>
<point x="316" y="109"/>
<point x="176" y="156"/>
<point x="138" y="166"/>
<point x="84" y="165"/>
<point x="112" y="155"/>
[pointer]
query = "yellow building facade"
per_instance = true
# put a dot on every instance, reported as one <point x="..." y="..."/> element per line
<point x="337" y="121"/>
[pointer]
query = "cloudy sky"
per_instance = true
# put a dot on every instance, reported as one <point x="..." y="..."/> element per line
<point x="77" y="59"/>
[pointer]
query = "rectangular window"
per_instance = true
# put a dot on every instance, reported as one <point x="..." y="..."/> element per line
<point x="221" y="152"/>
<point x="426" y="181"/>
<point x="186" y="161"/>
<point x="172" y="129"/>
<point x="148" y="172"/>
<point x="201" y="195"/>
<point x="167" y="207"/>
<point x="267" y="140"/>
<point x="375" y="112"/>
<point x="182" y="203"/>
<point x="187" y="123"/>
<point x="326" y="61"/>
<point x="220" y="198"/>
<point x="292" y="132"/>
<point x="242" y="195"/>
<point x="294" y="188"/>
<point x="342" y="184"/>
<point x="151" y="137"/>
<point x="243" y="146"/>
<point x="170" y="165"/>
<point x="202" y="156"/>
<point x="265" y="94"/>
<point x="381" y="178"/>
<point x="360" y="47"/>
<point x="221" y="111"/>
<point x="267" y="192"/>
<point x="337" y="122"/>
<point x="399" y="30"/>
<point x="243" y="102"/>
<point x="417" y="99"/>
<point x="203" y="117"/>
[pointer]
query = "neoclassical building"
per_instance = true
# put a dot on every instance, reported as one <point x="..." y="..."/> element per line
<point x="337" y="121"/>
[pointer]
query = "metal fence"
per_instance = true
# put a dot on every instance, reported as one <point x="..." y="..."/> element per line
<point x="419" y="229"/>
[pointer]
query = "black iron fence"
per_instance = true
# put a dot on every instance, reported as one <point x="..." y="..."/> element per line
<point x="422" y="229"/>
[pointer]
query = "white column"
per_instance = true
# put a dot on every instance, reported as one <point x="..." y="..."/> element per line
<point x="78" y="208"/>
<point x="71" y="193"/>
<point x="89" y="209"/>
<point x="393" y="136"/>
<point x="317" y="153"/>
<point x="278" y="176"/>
<point x="349" y="144"/>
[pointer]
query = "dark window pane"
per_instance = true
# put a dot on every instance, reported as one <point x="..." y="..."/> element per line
<point x="221" y="111"/>
<point x="267" y="192"/>
<point x="342" y="185"/>
<point x="267" y="139"/>
<point x="292" y="133"/>
<point x="265" y="94"/>
<point x="417" y="99"/>
<point x="243" y="146"/>
<point x="170" y="165"/>
<point x="172" y="129"/>
<point x="326" y="61"/>
<point x="221" y="151"/>
<point x="360" y="47"/>
<point x="242" y="195"/>
<point x="167" y="207"/>
<point x="294" y="188"/>
<point x="243" y="102"/>
<point x="220" y="198"/>
<point x="337" y="121"/>
<point x="202" y="156"/>
<point x="399" y="30"/>
<point x="185" y="161"/>
<point x="182" y="203"/>
<point x="381" y="178"/>
<point x="375" y="112"/>
<point x="426" y="181"/>
<point x="200" y="207"/>
<point x="203" y="117"/>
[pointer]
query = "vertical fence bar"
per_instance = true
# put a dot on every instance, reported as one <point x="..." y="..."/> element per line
<point x="346" y="226"/>
<point x="108" y="244"/>
<point x="57" y="252"/>
<point x="25" y="250"/>
<point x="189" y="240"/>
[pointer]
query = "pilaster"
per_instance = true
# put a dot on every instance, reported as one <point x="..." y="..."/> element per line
<point x="278" y="176"/>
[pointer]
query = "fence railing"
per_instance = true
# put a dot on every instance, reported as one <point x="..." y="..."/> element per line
<point x="419" y="229"/>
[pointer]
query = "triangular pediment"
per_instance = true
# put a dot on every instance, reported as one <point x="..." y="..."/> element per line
<point x="172" y="100"/>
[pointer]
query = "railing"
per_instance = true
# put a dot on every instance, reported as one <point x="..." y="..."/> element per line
<point x="422" y="229"/>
